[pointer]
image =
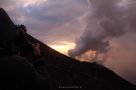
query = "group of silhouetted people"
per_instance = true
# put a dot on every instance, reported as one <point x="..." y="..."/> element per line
<point x="18" y="56"/>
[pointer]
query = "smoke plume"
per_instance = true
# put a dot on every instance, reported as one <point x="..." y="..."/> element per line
<point x="106" y="20"/>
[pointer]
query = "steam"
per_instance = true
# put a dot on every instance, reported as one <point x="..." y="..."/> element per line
<point x="107" y="19"/>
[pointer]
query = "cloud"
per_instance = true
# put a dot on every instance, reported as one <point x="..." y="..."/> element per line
<point x="47" y="20"/>
<point x="111" y="33"/>
<point x="106" y="20"/>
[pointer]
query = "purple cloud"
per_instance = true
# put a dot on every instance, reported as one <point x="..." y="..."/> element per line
<point x="47" y="20"/>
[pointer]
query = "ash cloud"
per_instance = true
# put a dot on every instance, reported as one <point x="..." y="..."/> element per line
<point x="106" y="19"/>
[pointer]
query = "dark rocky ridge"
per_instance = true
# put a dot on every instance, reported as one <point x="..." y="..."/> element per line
<point x="68" y="73"/>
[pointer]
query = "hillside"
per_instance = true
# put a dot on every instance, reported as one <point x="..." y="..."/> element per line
<point x="64" y="72"/>
<point x="67" y="72"/>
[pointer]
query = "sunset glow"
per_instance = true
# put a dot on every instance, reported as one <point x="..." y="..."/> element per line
<point x="89" y="56"/>
<point x="63" y="48"/>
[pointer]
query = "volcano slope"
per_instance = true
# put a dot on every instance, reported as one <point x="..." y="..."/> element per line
<point x="68" y="73"/>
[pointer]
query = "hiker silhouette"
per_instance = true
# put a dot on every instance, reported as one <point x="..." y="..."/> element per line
<point x="17" y="73"/>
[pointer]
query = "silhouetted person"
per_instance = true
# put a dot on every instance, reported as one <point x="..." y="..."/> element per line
<point x="16" y="73"/>
<point x="30" y="51"/>
<point x="27" y="51"/>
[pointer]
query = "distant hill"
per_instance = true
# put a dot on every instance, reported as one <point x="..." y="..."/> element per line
<point x="67" y="72"/>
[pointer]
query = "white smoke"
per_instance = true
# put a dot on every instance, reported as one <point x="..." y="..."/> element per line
<point x="107" y="19"/>
<point x="110" y="32"/>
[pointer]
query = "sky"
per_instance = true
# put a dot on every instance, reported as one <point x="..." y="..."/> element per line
<point x="75" y="24"/>
<point x="57" y="23"/>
